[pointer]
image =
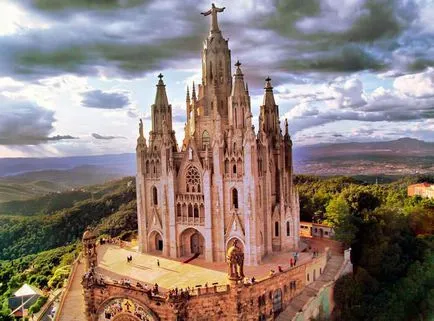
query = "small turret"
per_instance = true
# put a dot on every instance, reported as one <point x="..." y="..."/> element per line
<point x="187" y="98"/>
<point x="193" y="93"/>
<point x="239" y="100"/>
<point x="89" y="249"/>
<point x="160" y="110"/>
<point x="269" y="114"/>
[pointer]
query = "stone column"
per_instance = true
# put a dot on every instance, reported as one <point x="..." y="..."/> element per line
<point x="208" y="216"/>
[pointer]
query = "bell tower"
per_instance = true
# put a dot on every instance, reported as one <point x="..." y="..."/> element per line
<point x="216" y="69"/>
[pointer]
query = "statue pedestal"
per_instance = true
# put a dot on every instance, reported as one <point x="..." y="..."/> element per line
<point x="234" y="280"/>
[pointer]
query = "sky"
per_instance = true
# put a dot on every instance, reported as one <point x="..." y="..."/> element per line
<point x="76" y="75"/>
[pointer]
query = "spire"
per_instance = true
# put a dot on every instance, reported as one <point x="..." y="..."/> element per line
<point x="193" y="92"/>
<point x="187" y="98"/>
<point x="161" y="96"/>
<point x="247" y="88"/>
<point x="238" y="70"/>
<point x="238" y="87"/>
<point x="286" y="127"/>
<point x="269" y="120"/>
<point x="213" y="12"/>
<point x="161" y="110"/>
<point x="268" y="95"/>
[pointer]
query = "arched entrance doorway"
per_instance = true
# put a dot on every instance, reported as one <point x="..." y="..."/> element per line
<point x="123" y="309"/>
<point x="195" y="243"/>
<point x="191" y="242"/>
<point x="156" y="242"/>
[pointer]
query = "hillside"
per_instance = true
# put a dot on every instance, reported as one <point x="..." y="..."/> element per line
<point x="121" y="163"/>
<point x="33" y="184"/>
<point x="48" y="225"/>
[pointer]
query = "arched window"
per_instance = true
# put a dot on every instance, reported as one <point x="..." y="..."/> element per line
<point x="190" y="210"/>
<point x="276" y="228"/>
<point x="178" y="210"/>
<point x="235" y="198"/>
<point x="226" y="167"/>
<point x="154" y="196"/>
<point x="196" y="211"/>
<point x="308" y="277"/>
<point x="288" y="230"/>
<point x="205" y="139"/>
<point x="193" y="180"/>
<point x="234" y="169"/>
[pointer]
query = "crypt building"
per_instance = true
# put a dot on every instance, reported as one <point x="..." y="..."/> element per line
<point x="226" y="181"/>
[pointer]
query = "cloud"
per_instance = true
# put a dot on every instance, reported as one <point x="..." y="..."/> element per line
<point x="55" y="5"/>
<point x="104" y="100"/>
<point x="61" y="137"/>
<point x="411" y="99"/>
<point x="98" y="136"/>
<point x="129" y="38"/>
<point x="420" y="85"/>
<point x="25" y="123"/>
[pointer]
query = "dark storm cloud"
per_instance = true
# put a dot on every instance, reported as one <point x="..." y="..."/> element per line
<point x="98" y="136"/>
<point x="61" y="137"/>
<point x="58" y="5"/>
<point x="349" y="58"/>
<point x="316" y="20"/>
<point x="25" y="123"/>
<point x="104" y="100"/>
<point x="134" y="37"/>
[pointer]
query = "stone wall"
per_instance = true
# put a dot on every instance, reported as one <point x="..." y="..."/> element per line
<point x="262" y="300"/>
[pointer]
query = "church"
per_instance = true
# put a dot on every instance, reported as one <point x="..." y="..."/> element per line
<point x="226" y="181"/>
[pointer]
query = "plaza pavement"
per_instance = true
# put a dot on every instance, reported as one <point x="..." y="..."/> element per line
<point x="112" y="262"/>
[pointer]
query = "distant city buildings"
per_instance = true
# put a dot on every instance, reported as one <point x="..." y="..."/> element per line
<point x="421" y="189"/>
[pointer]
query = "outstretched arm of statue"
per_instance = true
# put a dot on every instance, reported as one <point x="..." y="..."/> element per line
<point x="207" y="13"/>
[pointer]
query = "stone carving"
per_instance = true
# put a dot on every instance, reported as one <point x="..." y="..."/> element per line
<point x="235" y="259"/>
<point x="141" y="128"/>
<point x="213" y="12"/>
<point x="124" y="309"/>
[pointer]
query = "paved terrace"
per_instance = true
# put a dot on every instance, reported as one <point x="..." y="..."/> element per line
<point x="112" y="263"/>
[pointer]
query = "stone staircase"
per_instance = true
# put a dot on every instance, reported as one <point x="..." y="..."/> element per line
<point x="310" y="291"/>
<point x="73" y="305"/>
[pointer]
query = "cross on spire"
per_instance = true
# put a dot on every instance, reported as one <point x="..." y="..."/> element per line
<point x="160" y="76"/>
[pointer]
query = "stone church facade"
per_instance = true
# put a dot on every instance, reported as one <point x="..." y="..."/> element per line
<point x="226" y="181"/>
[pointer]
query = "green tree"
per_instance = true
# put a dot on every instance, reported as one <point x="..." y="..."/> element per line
<point x="338" y="216"/>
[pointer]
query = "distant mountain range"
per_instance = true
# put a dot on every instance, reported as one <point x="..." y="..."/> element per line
<point x="121" y="163"/>
<point x="22" y="178"/>
<point x="400" y="147"/>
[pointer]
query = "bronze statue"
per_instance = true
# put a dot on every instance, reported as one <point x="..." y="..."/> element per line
<point x="235" y="258"/>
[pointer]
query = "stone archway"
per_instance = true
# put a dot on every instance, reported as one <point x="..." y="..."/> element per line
<point x="125" y="317"/>
<point x="230" y="242"/>
<point x="125" y="309"/>
<point x="156" y="242"/>
<point x="191" y="242"/>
